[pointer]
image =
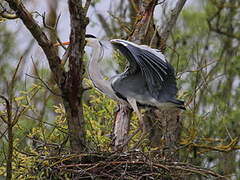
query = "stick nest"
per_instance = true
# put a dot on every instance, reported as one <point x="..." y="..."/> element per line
<point x="130" y="165"/>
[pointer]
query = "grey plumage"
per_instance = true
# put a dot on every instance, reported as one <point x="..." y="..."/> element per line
<point x="149" y="78"/>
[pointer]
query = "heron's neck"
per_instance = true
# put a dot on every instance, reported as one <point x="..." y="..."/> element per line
<point x="95" y="74"/>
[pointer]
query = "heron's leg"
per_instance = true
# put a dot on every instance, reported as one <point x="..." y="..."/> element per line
<point x="133" y="104"/>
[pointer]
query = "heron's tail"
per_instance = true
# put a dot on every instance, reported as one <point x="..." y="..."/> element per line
<point x="179" y="104"/>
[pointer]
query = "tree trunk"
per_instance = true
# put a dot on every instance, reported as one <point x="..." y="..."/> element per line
<point x="76" y="124"/>
<point x="121" y="128"/>
<point x="170" y="127"/>
<point x="72" y="89"/>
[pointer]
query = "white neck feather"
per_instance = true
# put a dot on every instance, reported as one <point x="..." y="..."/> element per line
<point x="95" y="74"/>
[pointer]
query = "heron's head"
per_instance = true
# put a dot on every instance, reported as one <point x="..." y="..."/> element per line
<point x="90" y="39"/>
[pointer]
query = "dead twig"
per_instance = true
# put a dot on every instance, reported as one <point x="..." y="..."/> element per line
<point x="45" y="84"/>
<point x="166" y="30"/>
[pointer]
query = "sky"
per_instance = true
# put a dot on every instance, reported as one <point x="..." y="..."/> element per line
<point x="104" y="7"/>
<point x="94" y="27"/>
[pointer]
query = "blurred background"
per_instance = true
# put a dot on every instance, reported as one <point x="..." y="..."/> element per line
<point x="203" y="48"/>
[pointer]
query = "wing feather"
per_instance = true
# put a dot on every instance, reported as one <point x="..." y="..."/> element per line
<point x="158" y="73"/>
<point x="155" y="71"/>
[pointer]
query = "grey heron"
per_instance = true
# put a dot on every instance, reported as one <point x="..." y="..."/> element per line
<point x="149" y="80"/>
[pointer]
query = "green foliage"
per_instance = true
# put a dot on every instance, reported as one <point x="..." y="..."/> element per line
<point x="98" y="113"/>
<point x="207" y="66"/>
<point x="195" y="22"/>
<point x="208" y="69"/>
<point x="40" y="139"/>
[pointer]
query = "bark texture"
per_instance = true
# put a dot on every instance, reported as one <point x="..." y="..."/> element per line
<point x="73" y="90"/>
<point x="171" y="21"/>
<point x="121" y="128"/>
<point x="170" y="127"/>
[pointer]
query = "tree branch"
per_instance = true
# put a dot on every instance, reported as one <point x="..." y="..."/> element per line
<point x="69" y="82"/>
<point x="40" y="36"/>
<point x="166" y="30"/>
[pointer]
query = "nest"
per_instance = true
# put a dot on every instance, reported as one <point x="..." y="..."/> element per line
<point x="131" y="165"/>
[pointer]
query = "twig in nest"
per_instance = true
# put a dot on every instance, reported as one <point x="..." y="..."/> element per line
<point x="130" y="165"/>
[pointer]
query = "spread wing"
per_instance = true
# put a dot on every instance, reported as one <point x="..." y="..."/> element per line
<point x="156" y="71"/>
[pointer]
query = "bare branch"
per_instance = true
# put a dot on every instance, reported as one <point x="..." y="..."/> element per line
<point x="2" y="134"/>
<point x="3" y="119"/>
<point x="87" y="4"/>
<point x="225" y="33"/>
<point x="166" y="30"/>
<point x="104" y="24"/>
<point x="15" y="72"/>
<point x="45" y="23"/>
<point x="45" y="84"/>
<point x="40" y="36"/>
<point x="142" y="31"/>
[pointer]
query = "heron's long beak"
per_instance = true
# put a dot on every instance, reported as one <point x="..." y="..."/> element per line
<point x="60" y="44"/>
